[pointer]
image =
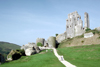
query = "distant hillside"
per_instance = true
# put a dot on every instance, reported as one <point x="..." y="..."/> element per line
<point x="6" y="47"/>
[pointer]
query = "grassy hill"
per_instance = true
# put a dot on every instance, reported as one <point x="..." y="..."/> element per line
<point x="82" y="56"/>
<point x="43" y="59"/>
<point x="6" y="47"/>
<point x="80" y="40"/>
<point x="80" y="51"/>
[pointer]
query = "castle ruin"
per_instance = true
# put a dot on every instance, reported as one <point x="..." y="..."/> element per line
<point x="74" y="24"/>
<point x="74" y="27"/>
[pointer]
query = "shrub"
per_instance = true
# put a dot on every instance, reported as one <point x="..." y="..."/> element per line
<point x="56" y="35"/>
<point x="99" y="37"/>
<point x="88" y="29"/>
<point x="39" y="44"/>
<point x="93" y="32"/>
<point x="82" y="41"/>
<point x="69" y="43"/>
<point x="80" y="36"/>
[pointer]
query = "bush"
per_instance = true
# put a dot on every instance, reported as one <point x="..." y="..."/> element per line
<point x="93" y="32"/>
<point x="56" y="35"/>
<point x="39" y="44"/>
<point x="88" y="29"/>
<point x="82" y="41"/>
<point x="80" y="36"/>
<point x="99" y="37"/>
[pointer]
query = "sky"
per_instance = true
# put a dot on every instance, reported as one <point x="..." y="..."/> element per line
<point x="23" y="21"/>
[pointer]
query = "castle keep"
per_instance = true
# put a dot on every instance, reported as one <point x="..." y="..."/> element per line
<point x="74" y="24"/>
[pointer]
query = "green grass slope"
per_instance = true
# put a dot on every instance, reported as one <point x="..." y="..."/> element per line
<point x="6" y="47"/>
<point x="82" y="56"/>
<point x="44" y="59"/>
<point x="80" y="40"/>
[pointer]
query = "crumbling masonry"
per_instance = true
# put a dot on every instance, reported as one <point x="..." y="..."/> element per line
<point x="74" y="24"/>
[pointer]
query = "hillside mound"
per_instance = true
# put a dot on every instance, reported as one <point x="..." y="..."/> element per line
<point x="80" y="40"/>
<point x="6" y="47"/>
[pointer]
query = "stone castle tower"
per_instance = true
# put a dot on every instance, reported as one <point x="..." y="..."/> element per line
<point x="74" y="24"/>
<point x="86" y="20"/>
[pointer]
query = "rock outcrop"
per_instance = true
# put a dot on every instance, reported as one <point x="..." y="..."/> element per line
<point x="14" y="55"/>
<point x="61" y="37"/>
<point x="2" y="59"/>
<point x="29" y="45"/>
<point x="30" y="49"/>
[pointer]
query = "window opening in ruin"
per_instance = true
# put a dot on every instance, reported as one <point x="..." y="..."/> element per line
<point x="67" y="20"/>
<point x="67" y="27"/>
<point x="77" y="18"/>
<point x="70" y="25"/>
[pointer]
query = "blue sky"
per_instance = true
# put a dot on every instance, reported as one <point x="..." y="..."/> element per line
<point x="23" y="21"/>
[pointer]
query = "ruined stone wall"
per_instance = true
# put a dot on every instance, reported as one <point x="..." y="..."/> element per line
<point x="74" y="25"/>
<point x="40" y="40"/>
<point x="86" y="20"/>
<point x="70" y="25"/>
<point x="79" y="28"/>
<point x="51" y="42"/>
<point x="61" y="37"/>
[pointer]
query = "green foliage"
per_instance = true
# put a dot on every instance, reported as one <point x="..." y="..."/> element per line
<point x="82" y="41"/>
<point x="96" y="31"/>
<point x="47" y="59"/>
<point x="6" y="47"/>
<point x="88" y="29"/>
<point x="69" y="39"/>
<point x="69" y="43"/>
<point x="39" y="44"/>
<point x="93" y="31"/>
<point x="21" y="51"/>
<point x="56" y="35"/>
<point x="99" y="37"/>
<point x="81" y="36"/>
<point x="82" y="56"/>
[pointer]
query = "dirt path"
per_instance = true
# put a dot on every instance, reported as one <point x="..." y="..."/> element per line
<point x="61" y="59"/>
